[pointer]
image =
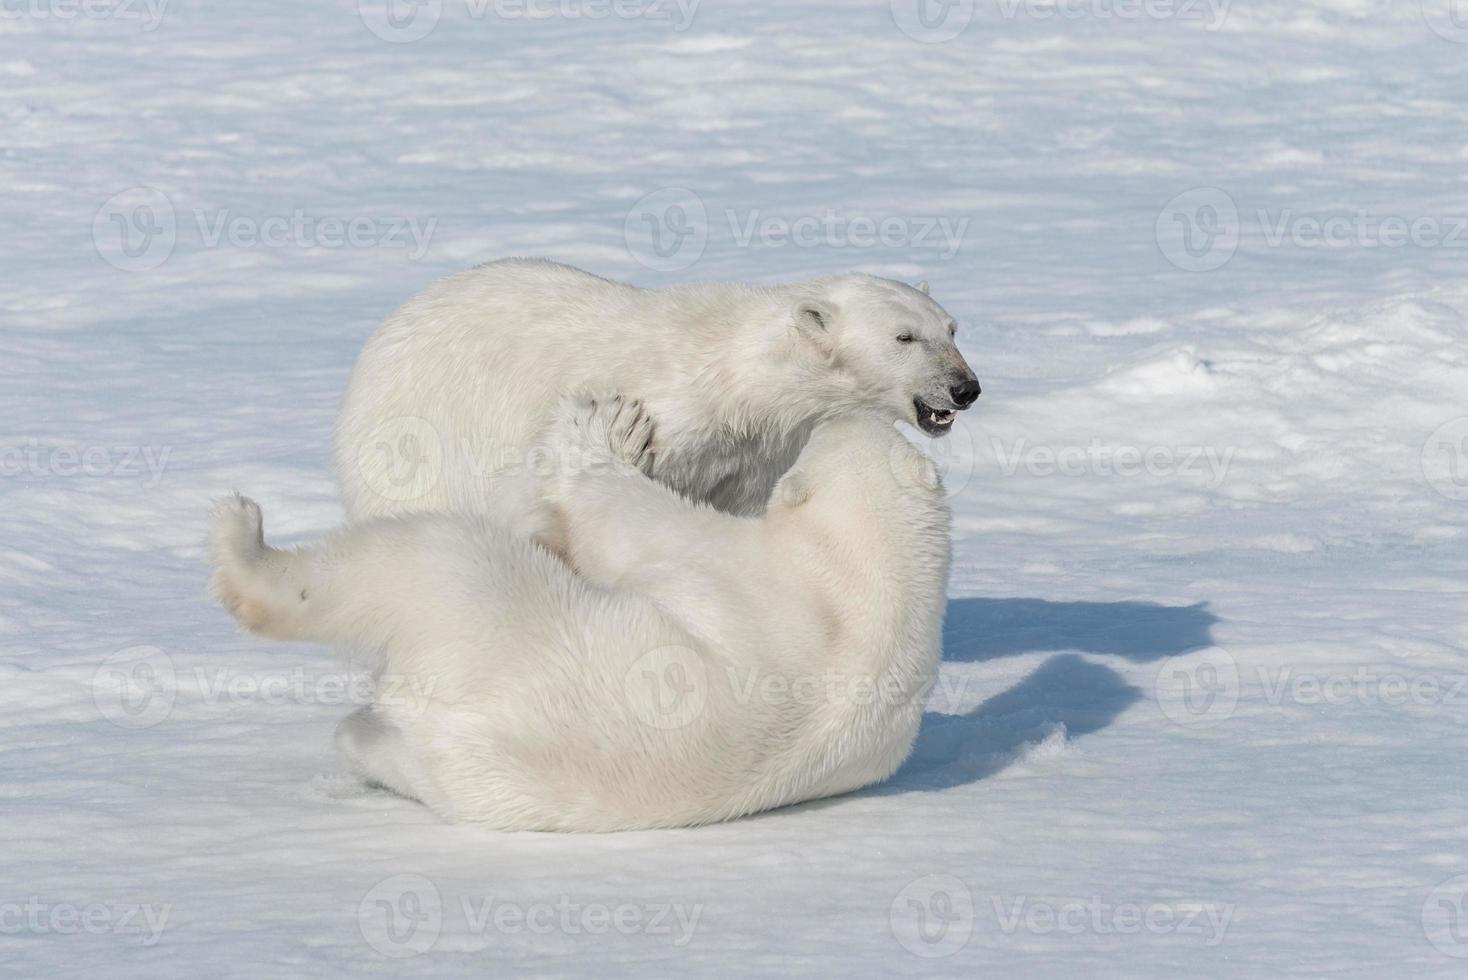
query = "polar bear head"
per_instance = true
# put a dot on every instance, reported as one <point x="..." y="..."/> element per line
<point x="892" y="347"/>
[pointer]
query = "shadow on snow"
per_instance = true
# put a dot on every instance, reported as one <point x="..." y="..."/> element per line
<point x="1066" y="690"/>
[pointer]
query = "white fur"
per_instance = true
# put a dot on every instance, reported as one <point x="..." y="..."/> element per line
<point x="454" y="387"/>
<point x="794" y="649"/>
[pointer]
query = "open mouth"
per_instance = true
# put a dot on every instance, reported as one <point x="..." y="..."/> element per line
<point x="933" y="421"/>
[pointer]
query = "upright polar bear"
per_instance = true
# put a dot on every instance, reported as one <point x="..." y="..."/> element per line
<point x="455" y="387"/>
<point x="688" y="665"/>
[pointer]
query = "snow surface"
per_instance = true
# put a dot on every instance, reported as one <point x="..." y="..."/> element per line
<point x="1203" y="706"/>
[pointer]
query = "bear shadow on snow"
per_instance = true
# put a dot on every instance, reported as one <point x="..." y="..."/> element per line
<point x="977" y="629"/>
<point x="1067" y="689"/>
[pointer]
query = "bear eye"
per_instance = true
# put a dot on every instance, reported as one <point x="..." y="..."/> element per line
<point x="904" y="338"/>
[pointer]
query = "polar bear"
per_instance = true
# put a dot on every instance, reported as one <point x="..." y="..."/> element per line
<point x="453" y="388"/>
<point x="693" y="666"/>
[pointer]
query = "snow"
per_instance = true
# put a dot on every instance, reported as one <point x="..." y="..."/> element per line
<point x="1203" y="705"/>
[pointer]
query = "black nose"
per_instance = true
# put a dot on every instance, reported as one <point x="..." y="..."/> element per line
<point x="963" y="395"/>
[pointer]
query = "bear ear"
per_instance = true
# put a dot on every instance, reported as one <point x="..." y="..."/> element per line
<point x="816" y="320"/>
<point x="922" y="287"/>
<point x="793" y="489"/>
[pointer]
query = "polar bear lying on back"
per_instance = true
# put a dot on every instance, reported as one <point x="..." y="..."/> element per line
<point x="694" y="666"/>
<point x="455" y="386"/>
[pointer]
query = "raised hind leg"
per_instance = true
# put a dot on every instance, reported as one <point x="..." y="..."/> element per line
<point x="266" y="589"/>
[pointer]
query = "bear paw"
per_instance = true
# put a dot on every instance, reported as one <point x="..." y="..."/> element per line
<point x="236" y="531"/>
<point x="616" y="425"/>
<point x="236" y="543"/>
